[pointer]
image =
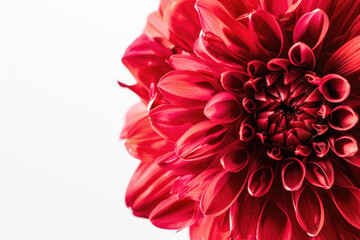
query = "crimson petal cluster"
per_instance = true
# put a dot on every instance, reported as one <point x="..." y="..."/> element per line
<point x="248" y="122"/>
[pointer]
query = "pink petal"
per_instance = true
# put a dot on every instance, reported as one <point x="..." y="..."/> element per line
<point x="309" y="210"/>
<point x="301" y="55"/>
<point x="347" y="200"/>
<point x="275" y="153"/>
<point x="321" y="146"/>
<point x="278" y="64"/>
<point x="344" y="145"/>
<point x="311" y="28"/>
<point x="187" y="88"/>
<point x="292" y="174"/>
<point x="343" y="118"/>
<point x="222" y="192"/>
<point x="235" y="159"/>
<point x="222" y="108"/>
<point x="201" y="140"/>
<point x="267" y="31"/>
<point x="324" y="111"/>
<point x="233" y="82"/>
<point x="320" y="172"/>
<point x="171" y="121"/>
<point x="260" y="181"/>
<point x="174" y="213"/>
<point x="248" y="104"/>
<point x="273" y="223"/>
<point x="334" y="88"/>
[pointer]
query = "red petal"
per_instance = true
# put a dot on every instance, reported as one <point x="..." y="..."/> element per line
<point x="201" y="140"/>
<point x="235" y="159"/>
<point x="191" y="63"/>
<point x="187" y="88"/>
<point x="171" y="122"/>
<point x="344" y="145"/>
<point x="275" y="153"/>
<point x="311" y="28"/>
<point x="233" y="82"/>
<point x="320" y="172"/>
<point x="174" y="213"/>
<point x="345" y="60"/>
<point x="256" y="68"/>
<point x="301" y="55"/>
<point x="334" y="88"/>
<point x="273" y="223"/>
<point x="222" y="192"/>
<point x="267" y="31"/>
<point x="222" y="108"/>
<point x="247" y="130"/>
<point x="147" y="188"/>
<point x="245" y="214"/>
<point x="343" y="118"/>
<point x="211" y="228"/>
<point x="309" y="210"/>
<point x="292" y="174"/>
<point x="260" y="181"/>
<point x="321" y="146"/>
<point x="275" y="7"/>
<point x="347" y="200"/>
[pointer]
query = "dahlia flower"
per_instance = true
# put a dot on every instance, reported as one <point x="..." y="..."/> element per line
<point x="248" y="122"/>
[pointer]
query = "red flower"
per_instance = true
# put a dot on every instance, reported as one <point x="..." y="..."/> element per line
<point x="251" y="127"/>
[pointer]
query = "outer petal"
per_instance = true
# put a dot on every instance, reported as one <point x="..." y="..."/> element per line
<point x="346" y="62"/>
<point x="260" y="181"/>
<point x="171" y="122"/>
<point x="275" y="7"/>
<point x="201" y="140"/>
<point x="187" y="88"/>
<point x="235" y="159"/>
<point x="222" y="192"/>
<point x="147" y="188"/>
<point x="311" y="28"/>
<point x="270" y="229"/>
<point x="309" y="210"/>
<point x="143" y="142"/>
<point x="347" y="200"/>
<point x="173" y="213"/>
<point x="344" y="145"/>
<point x="211" y="228"/>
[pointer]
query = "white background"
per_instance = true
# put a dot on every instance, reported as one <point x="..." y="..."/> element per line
<point x="63" y="170"/>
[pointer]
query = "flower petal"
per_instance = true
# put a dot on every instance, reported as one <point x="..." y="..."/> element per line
<point x="268" y="228"/>
<point x="211" y="228"/>
<point x="147" y="188"/>
<point x="301" y="55"/>
<point x="187" y="88"/>
<point x="344" y="145"/>
<point x="201" y="140"/>
<point x="171" y="121"/>
<point x="292" y="174"/>
<point x="334" y="88"/>
<point x="267" y="31"/>
<point x="311" y="28"/>
<point x="309" y="210"/>
<point x="247" y="130"/>
<point x="189" y="62"/>
<point x="173" y="213"/>
<point x="233" y="82"/>
<point x="275" y="7"/>
<point x="320" y="172"/>
<point x="345" y="61"/>
<point x="343" y="118"/>
<point x="222" y="108"/>
<point x="235" y="159"/>
<point x="222" y="192"/>
<point x="347" y="201"/>
<point x="260" y="181"/>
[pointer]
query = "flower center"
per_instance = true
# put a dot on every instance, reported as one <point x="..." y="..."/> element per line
<point x="286" y="107"/>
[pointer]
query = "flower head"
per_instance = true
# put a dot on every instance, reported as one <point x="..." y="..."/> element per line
<point x="248" y="126"/>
